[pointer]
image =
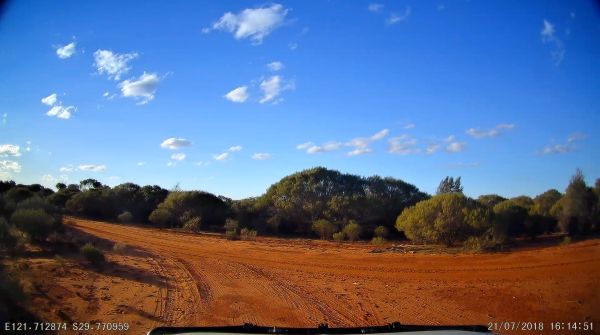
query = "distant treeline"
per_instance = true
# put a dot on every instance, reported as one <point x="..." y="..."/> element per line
<point x="329" y="204"/>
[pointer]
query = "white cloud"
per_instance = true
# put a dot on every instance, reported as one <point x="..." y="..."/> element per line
<point x="171" y="163"/>
<point x="67" y="169"/>
<point x="221" y="157"/>
<point x="456" y="147"/>
<point x="178" y="156"/>
<point x="275" y="66"/>
<point x="92" y="167"/>
<point x="375" y="7"/>
<point x="364" y="142"/>
<point x="49" y="100"/>
<point x="432" y="148"/>
<point x="175" y="143"/>
<point x="140" y="163"/>
<point x="4" y="119"/>
<point x="326" y="147"/>
<point x="236" y="148"/>
<point x="252" y="23"/>
<point x="66" y="51"/>
<point x="113" y="64"/>
<point x="261" y="156"/>
<point x="293" y="46"/>
<point x="10" y="166"/>
<point x="238" y="95"/>
<point x="395" y="18"/>
<point x="563" y="148"/>
<point x="273" y="87"/>
<point x="359" y="151"/>
<point x="494" y="132"/>
<point x="409" y="126"/>
<point x="304" y="145"/>
<point x="61" y="112"/>
<point x="142" y="89"/>
<point x="10" y="150"/>
<point x="548" y="35"/>
<point x="201" y="163"/>
<point x="403" y="145"/>
<point x="48" y="178"/>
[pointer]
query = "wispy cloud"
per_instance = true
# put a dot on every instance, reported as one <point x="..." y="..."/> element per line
<point x="175" y="143"/>
<point x="275" y="66"/>
<point x="273" y="87"/>
<point x="57" y="110"/>
<point x="141" y="89"/>
<point x="252" y="23"/>
<point x="92" y="167"/>
<point x="261" y="156"/>
<point x="548" y="35"/>
<point x="494" y="132"/>
<point x="403" y="145"/>
<point x="375" y="7"/>
<point x="562" y="148"/>
<point x="7" y="168"/>
<point x="238" y="95"/>
<point x="178" y="156"/>
<point x="359" y="151"/>
<point x="66" y="51"/>
<point x="114" y="65"/>
<point x="235" y="148"/>
<point x="454" y="147"/>
<point x="221" y="157"/>
<point x="396" y="18"/>
<point x="326" y="147"/>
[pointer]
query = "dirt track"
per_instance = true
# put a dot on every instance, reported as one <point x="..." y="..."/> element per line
<point x="212" y="281"/>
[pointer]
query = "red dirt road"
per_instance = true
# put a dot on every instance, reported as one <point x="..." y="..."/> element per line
<point x="212" y="281"/>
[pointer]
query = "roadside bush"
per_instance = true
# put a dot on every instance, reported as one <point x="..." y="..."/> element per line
<point x="378" y="240"/>
<point x="231" y="235"/>
<point x="7" y="240"/>
<point x="567" y="240"/>
<point x="125" y="217"/>
<point x="161" y="217"/>
<point x="352" y="231"/>
<point x="339" y="236"/>
<point x="92" y="254"/>
<point x="36" y="223"/>
<point x="323" y="228"/>
<point x="248" y="234"/>
<point x="119" y="248"/>
<point x="381" y="231"/>
<point x="445" y="218"/>
<point x="483" y="243"/>
<point x="193" y="224"/>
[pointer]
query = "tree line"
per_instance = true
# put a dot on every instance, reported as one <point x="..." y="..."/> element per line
<point x="317" y="202"/>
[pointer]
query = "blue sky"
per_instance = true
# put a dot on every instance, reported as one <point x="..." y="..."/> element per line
<point x="231" y="96"/>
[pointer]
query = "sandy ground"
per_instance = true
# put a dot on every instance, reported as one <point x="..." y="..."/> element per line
<point x="171" y="278"/>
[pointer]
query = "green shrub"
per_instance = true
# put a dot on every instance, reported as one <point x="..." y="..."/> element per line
<point x="7" y="240"/>
<point x="377" y="240"/>
<point x="339" y="236"/>
<point x="487" y="242"/>
<point x="231" y="235"/>
<point x="125" y="217"/>
<point x="161" y="217"/>
<point x="381" y="231"/>
<point x="231" y="225"/>
<point x="193" y="224"/>
<point x="36" y="223"/>
<point x="92" y="254"/>
<point x="567" y="240"/>
<point x="323" y="228"/>
<point x="119" y="248"/>
<point x="352" y="231"/>
<point x="248" y="234"/>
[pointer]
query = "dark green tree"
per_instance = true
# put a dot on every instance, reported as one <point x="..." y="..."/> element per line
<point x="450" y="185"/>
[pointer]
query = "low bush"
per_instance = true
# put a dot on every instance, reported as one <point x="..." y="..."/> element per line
<point x="567" y="240"/>
<point x="339" y="236"/>
<point x="248" y="234"/>
<point x="92" y="254"/>
<point x="7" y="240"/>
<point x="36" y="223"/>
<point x="381" y="231"/>
<point x="378" y="241"/>
<point x="231" y="235"/>
<point x="125" y="217"/>
<point x="193" y="224"/>
<point x="483" y="243"/>
<point x="119" y="248"/>
<point x="352" y="231"/>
